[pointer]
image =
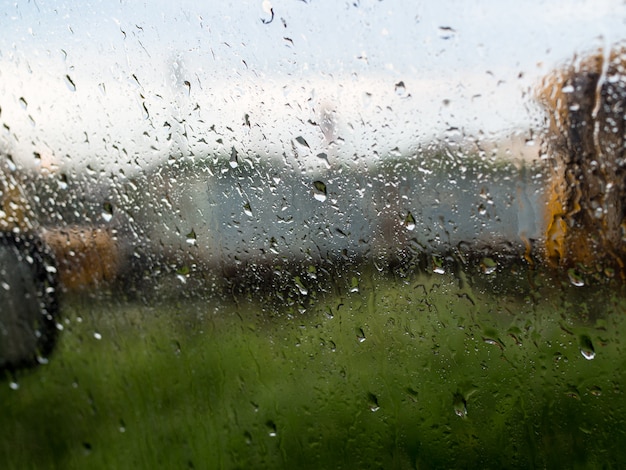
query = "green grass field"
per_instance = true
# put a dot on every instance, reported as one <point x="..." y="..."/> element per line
<point x="414" y="371"/>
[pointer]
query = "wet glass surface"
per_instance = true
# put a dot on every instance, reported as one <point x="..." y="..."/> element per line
<point x="227" y="242"/>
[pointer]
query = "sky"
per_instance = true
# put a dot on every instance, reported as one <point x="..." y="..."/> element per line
<point x="125" y="85"/>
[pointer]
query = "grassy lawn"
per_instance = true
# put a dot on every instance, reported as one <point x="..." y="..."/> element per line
<point x="415" y="371"/>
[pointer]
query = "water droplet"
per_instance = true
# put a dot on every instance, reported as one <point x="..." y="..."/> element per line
<point x="459" y="405"/>
<point x="234" y="161"/>
<point x="247" y="209"/>
<point x="191" y="237"/>
<point x="395" y="152"/>
<point x="324" y="157"/>
<point x="438" y="265"/>
<point x="267" y="8"/>
<point x="575" y="278"/>
<point x="488" y="266"/>
<point x="23" y="102"/>
<point x="360" y="335"/>
<point x="573" y="392"/>
<point x="454" y="134"/>
<point x="409" y="222"/>
<point x="70" y="83"/>
<point x="302" y="142"/>
<point x="63" y="181"/>
<point x="271" y="429"/>
<point x="303" y="290"/>
<point x="274" y="248"/>
<point x="373" y="402"/>
<point x="176" y="347"/>
<point x="319" y="191"/>
<point x="446" y="32"/>
<point x="400" y="90"/>
<point x="182" y="273"/>
<point x="494" y="342"/>
<point x="312" y="272"/>
<point x="107" y="211"/>
<point x="595" y="391"/>
<point x="586" y="348"/>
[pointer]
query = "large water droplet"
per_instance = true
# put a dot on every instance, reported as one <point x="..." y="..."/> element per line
<point x="234" y="160"/>
<point x="267" y="8"/>
<point x="409" y="222"/>
<point x="494" y="342"/>
<point x="324" y="157"/>
<point x="319" y="191"/>
<point x="63" y="181"/>
<point x="373" y="402"/>
<point x="360" y="335"/>
<point x="438" y="267"/>
<point x="400" y="90"/>
<point x="586" y="348"/>
<point x="107" y="211"/>
<point x="191" y="237"/>
<point x="575" y="278"/>
<point x="301" y="288"/>
<point x="70" y="83"/>
<point x="572" y="392"/>
<point x="302" y="142"/>
<point x="459" y="405"/>
<point x="271" y="429"/>
<point x="488" y="265"/>
<point x="247" y="209"/>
